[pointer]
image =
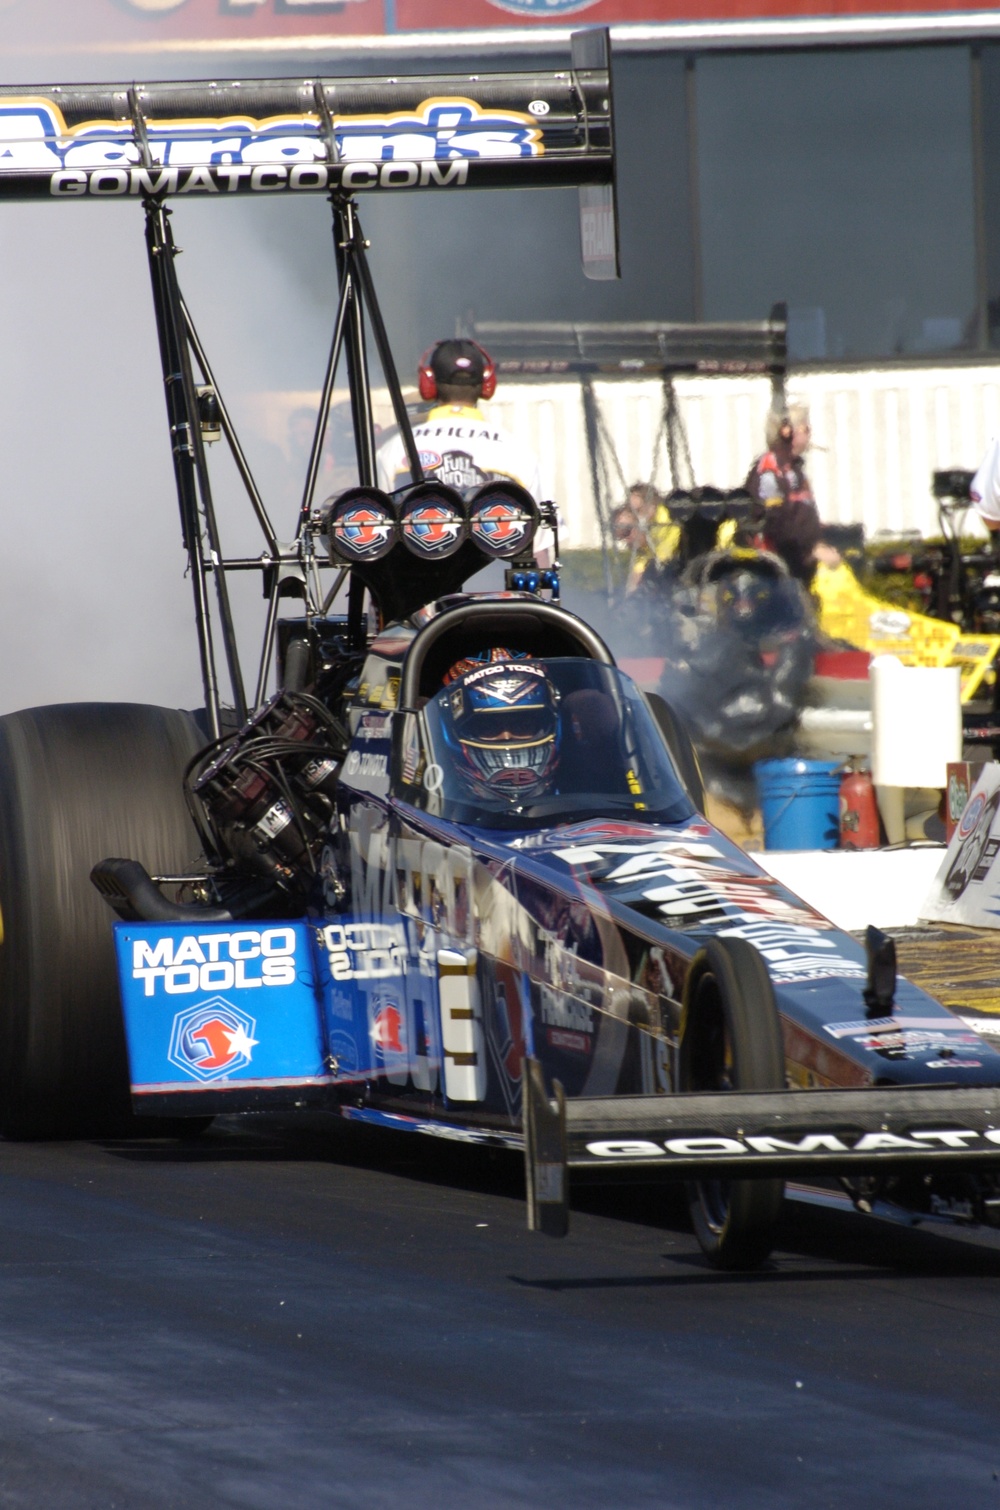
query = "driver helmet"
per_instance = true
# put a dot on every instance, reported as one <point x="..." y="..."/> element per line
<point x="505" y="720"/>
<point x="481" y="658"/>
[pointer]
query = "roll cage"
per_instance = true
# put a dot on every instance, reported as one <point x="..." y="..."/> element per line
<point x="536" y="629"/>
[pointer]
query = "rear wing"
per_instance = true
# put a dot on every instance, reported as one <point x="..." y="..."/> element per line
<point x="592" y="352"/>
<point x="630" y="349"/>
<point x="270" y="136"/>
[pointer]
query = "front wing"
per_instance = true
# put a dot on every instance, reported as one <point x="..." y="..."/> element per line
<point x="725" y="1135"/>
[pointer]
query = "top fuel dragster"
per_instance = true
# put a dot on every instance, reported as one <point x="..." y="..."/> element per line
<point x="452" y="875"/>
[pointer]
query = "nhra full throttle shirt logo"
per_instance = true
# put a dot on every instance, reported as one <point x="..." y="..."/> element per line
<point x="458" y="470"/>
<point x="212" y="1041"/>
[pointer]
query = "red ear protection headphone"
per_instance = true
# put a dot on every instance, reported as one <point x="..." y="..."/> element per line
<point x="428" y="382"/>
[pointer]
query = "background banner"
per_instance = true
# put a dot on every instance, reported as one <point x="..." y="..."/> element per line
<point x="70" y="25"/>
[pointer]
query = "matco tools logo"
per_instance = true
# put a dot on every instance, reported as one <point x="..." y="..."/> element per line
<point x="246" y="958"/>
<point x="212" y="1041"/>
<point x="500" y="527"/>
<point x="389" y="1029"/>
<point x="971" y="815"/>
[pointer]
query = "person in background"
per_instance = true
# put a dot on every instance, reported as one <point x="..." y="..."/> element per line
<point x="642" y="526"/>
<point x="790" y="524"/>
<point x="338" y="468"/>
<point x="458" y="444"/>
<point x="632" y="521"/>
<point x="984" y="490"/>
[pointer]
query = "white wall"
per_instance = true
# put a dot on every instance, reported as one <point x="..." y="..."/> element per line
<point x="878" y="436"/>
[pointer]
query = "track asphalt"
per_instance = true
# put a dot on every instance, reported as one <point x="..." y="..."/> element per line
<point x="319" y="1316"/>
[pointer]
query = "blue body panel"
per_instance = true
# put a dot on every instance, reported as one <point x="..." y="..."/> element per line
<point x="227" y="1006"/>
<point x="379" y="1000"/>
<point x="279" y="1006"/>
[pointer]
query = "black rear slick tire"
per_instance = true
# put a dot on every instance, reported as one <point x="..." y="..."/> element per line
<point x="78" y="783"/>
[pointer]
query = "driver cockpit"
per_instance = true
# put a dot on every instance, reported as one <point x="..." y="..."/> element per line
<point x="518" y="741"/>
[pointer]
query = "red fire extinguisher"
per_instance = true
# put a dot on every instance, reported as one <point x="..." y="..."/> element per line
<point x="859" y="826"/>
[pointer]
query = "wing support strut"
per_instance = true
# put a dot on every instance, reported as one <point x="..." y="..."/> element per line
<point x="180" y="351"/>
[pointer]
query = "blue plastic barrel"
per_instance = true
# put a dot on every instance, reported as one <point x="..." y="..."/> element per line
<point x="799" y="802"/>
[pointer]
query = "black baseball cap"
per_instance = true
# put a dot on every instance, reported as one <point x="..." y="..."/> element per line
<point x="458" y="361"/>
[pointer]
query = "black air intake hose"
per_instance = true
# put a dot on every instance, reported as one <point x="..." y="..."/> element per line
<point x="128" y="887"/>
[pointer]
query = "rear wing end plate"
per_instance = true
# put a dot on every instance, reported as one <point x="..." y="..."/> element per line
<point x="726" y="1135"/>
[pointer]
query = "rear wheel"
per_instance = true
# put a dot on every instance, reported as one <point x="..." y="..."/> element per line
<point x="731" y="1040"/>
<point x="78" y="783"/>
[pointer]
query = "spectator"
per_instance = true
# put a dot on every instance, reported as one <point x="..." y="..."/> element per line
<point x="643" y="526"/>
<point x="984" y="490"/>
<point x="338" y="468"/>
<point x="790" y="524"/>
<point x="458" y="445"/>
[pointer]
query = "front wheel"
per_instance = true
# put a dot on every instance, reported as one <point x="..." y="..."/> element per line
<point x="731" y="1040"/>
